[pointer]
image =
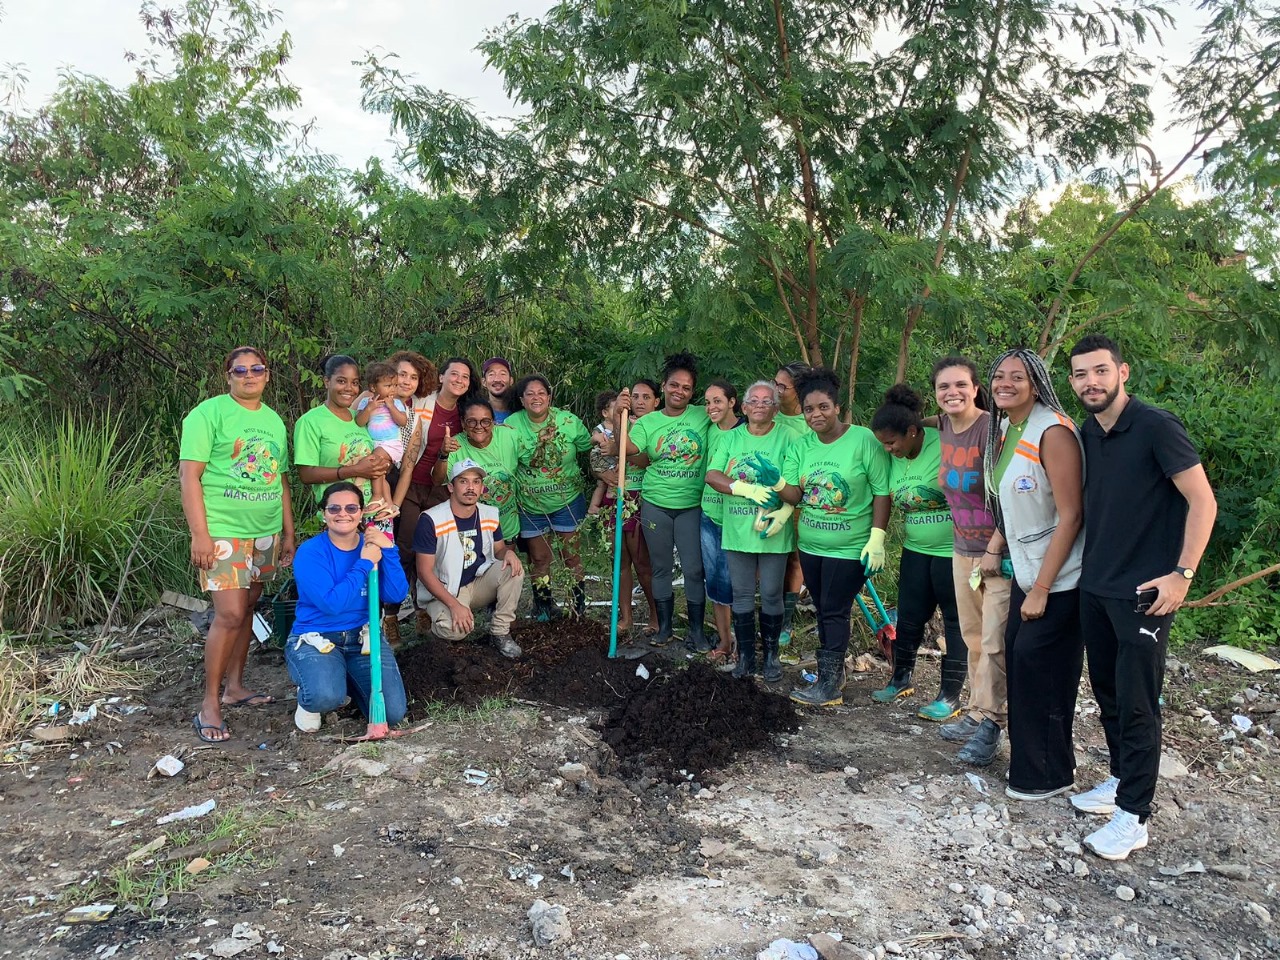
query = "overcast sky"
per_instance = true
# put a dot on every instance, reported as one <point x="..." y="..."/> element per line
<point x="435" y="39"/>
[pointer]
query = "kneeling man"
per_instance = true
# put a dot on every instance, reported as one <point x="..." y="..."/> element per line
<point x="463" y="563"/>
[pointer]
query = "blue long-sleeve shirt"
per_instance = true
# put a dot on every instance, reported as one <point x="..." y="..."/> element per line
<point x="333" y="585"/>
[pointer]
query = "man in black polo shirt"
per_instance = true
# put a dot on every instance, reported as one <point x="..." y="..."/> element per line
<point x="1148" y="512"/>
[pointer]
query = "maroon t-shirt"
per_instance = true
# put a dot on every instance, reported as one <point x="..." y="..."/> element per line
<point x="435" y="440"/>
<point x="960" y="478"/>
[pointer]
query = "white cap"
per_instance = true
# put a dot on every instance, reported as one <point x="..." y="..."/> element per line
<point x="462" y="466"/>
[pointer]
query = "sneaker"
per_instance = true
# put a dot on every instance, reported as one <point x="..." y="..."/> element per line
<point x="506" y="646"/>
<point x="960" y="730"/>
<point x="1119" y="838"/>
<point x="1030" y="796"/>
<point x="306" y="721"/>
<point x="1101" y="799"/>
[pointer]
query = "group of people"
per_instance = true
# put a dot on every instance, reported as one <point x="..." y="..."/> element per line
<point x="1034" y="538"/>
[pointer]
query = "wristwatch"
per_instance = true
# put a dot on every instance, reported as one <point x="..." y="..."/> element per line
<point x="1186" y="573"/>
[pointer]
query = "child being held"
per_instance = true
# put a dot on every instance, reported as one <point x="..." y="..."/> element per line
<point x="383" y="414"/>
<point x="606" y="410"/>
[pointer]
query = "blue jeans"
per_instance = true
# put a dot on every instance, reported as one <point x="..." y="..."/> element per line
<point x="715" y="565"/>
<point x="326" y="679"/>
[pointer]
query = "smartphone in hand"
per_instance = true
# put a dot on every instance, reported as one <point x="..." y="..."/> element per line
<point x="1145" y="600"/>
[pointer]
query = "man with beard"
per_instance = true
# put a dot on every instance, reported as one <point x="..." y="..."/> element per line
<point x="1148" y="513"/>
<point x="497" y="379"/>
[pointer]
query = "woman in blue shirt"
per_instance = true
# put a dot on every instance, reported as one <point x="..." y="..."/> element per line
<point x="326" y="652"/>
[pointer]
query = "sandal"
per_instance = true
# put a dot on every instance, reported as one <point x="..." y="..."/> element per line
<point x="201" y="727"/>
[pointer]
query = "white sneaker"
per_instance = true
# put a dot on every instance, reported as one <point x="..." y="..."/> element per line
<point x="1119" y="838"/>
<point x="1031" y="796"/>
<point x="1101" y="799"/>
<point x="306" y="721"/>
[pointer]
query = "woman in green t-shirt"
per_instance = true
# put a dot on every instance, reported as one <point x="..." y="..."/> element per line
<point x="673" y="441"/>
<point x="724" y="412"/>
<point x="497" y="451"/>
<point x="789" y="415"/>
<point x="925" y="582"/>
<point x="838" y="475"/>
<point x="233" y="464"/>
<point x="746" y="469"/>
<point x="549" y="488"/>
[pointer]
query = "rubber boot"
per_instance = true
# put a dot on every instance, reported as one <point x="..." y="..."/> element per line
<point x="947" y="703"/>
<point x="744" y="631"/>
<point x="770" y="628"/>
<point x="580" y="599"/>
<point x="825" y="691"/>
<point x="900" y="685"/>
<point x="982" y="746"/>
<point x="391" y="630"/>
<point x="666" y="609"/>
<point x="788" y="611"/>
<point x="544" y="604"/>
<point x="696" y="639"/>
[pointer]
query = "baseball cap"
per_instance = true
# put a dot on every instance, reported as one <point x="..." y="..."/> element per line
<point x="462" y="466"/>
<point x="491" y="361"/>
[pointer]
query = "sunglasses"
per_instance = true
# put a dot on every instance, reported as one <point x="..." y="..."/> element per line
<point x="240" y="370"/>
<point x="471" y="423"/>
<point x="350" y="509"/>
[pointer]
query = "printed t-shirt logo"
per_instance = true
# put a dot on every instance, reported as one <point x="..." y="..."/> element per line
<point x="918" y="497"/>
<point x="826" y="491"/>
<point x="497" y="488"/>
<point x="682" y="446"/>
<point x="352" y="451"/>
<point x="255" y="460"/>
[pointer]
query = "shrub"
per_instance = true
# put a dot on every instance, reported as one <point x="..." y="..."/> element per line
<point x="75" y="498"/>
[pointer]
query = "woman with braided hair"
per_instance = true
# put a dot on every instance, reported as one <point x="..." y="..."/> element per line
<point x="1034" y="472"/>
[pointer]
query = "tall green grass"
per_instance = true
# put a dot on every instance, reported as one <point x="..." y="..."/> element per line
<point x="76" y="496"/>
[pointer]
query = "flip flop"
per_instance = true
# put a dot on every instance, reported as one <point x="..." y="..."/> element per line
<point x="201" y="727"/>
<point x="252" y="700"/>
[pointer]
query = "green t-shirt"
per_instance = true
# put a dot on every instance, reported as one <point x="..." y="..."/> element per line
<point x="322" y="439"/>
<point x="793" y="420"/>
<point x="549" y="477"/>
<point x="246" y="457"/>
<point x="677" y="451"/>
<point x="713" y="500"/>
<point x="742" y="456"/>
<point x="501" y="462"/>
<point x="913" y="484"/>
<point x="837" y="482"/>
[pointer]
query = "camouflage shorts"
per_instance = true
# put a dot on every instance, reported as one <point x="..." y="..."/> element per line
<point x="240" y="562"/>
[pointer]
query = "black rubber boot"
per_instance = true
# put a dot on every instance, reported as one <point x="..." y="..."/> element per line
<point x="788" y="611"/>
<point x="947" y="703"/>
<point x="696" y="639"/>
<point x="544" y="604"/>
<point x="580" y="599"/>
<point x="901" y="685"/>
<point x="825" y="691"/>
<point x="982" y="746"/>
<point x="666" y="609"/>
<point x="770" y="629"/>
<point x="744" y="632"/>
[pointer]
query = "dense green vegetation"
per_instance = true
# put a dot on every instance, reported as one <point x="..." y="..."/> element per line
<point x="861" y="185"/>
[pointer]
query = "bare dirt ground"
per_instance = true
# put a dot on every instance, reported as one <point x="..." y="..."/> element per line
<point x="728" y="822"/>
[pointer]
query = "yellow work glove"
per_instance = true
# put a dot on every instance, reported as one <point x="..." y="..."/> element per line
<point x="872" y="555"/>
<point x="754" y="492"/>
<point x="776" y="520"/>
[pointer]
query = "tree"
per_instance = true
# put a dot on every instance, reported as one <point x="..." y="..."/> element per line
<point x="740" y="143"/>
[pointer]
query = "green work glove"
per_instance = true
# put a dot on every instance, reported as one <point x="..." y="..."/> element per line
<point x="754" y="492"/>
<point x="777" y="519"/>
<point x="872" y="555"/>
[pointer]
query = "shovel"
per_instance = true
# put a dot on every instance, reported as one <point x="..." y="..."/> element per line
<point x="630" y="651"/>
<point x="885" y="628"/>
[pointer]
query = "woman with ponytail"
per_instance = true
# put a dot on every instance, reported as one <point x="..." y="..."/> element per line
<point x="924" y="575"/>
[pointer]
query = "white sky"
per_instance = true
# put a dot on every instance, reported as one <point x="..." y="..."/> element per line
<point x="435" y="39"/>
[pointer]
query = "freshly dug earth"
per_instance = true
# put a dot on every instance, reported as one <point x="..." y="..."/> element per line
<point x="696" y="720"/>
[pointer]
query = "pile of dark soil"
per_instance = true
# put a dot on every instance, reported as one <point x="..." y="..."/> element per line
<point x="565" y="663"/>
<point x="695" y="720"/>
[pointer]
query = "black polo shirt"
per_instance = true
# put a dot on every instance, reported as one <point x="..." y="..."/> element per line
<point x="1134" y="515"/>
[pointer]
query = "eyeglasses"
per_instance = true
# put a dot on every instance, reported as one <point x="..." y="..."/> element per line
<point x="337" y="509"/>
<point x="759" y="402"/>
<point x="240" y="370"/>
<point x="471" y="423"/>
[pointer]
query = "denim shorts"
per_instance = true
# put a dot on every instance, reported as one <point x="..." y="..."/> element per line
<point x="715" y="566"/>
<point x="565" y="520"/>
